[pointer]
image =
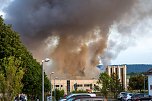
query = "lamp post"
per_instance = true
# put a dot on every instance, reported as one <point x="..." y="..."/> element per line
<point x="55" y="88"/>
<point x="51" y="83"/>
<point x="46" y="60"/>
<point x="144" y="84"/>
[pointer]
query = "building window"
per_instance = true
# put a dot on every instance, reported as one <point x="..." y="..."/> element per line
<point x="122" y="76"/>
<point x="68" y="86"/>
<point x="61" y="85"/>
<point x="56" y="85"/>
<point x="107" y="69"/>
<point x="86" y="85"/>
<point x="111" y="70"/>
<point x="79" y="85"/>
<point x="150" y="87"/>
<point x="116" y="70"/>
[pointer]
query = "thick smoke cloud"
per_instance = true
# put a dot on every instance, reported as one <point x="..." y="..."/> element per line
<point x="80" y="26"/>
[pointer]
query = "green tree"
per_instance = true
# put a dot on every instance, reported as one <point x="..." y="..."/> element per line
<point x="115" y="86"/>
<point x="104" y="82"/>
<point x="58" y="93"/>
<point x="10" y="78"/>
<point x="136" y="82"/>
<point x="79" y="91"/>
<point x="10" y="45"/>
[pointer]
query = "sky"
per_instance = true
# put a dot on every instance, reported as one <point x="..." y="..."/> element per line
<point x="139" y="48"/>
<point x="139" y="53"/>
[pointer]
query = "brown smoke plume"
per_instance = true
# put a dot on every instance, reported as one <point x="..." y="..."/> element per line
<point x="81" y="28"/>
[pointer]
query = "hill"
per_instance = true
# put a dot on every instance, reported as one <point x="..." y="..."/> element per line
<point x="133" y="68"/>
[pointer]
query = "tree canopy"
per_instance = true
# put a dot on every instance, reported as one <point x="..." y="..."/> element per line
<point x="58" y="94"/>
<point x="136" y="82"/>
<point x="10" y="78"/>
<point x="11" y="45"/>
<point x="108" y="84"/>
<point x="116" y="87"/>
<point x="104" y="84"/>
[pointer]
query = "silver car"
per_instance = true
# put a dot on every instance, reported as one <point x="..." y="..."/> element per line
<point x="121" y="95"/>
<point x="127" y="97"/>
<point x="72" y="96"/>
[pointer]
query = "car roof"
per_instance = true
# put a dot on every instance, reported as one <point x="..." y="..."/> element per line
<point x="88" y="99"/>
<point x="123" y="92"/>
<point x="91" y="94"/>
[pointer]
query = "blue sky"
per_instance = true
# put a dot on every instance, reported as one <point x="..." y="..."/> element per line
<point x="138" y="48"/>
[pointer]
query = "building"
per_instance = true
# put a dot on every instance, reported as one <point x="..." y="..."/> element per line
<point x="73" y="85"/>
<point x="120" y="71"/>
<point x="149" y="74"/>
<point x="88" y="85"/>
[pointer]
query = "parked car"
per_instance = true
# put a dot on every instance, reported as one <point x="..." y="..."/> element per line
<point x="127" y="97"/>
<point x="21" y="97"/>
<point x="121" y="95"/>
<point x="88" y="99"/>
<point x="72" y="96"/>
<point x="77" y="96"/>
<point x="49" y="98"/>
<point x="141" y="97"/>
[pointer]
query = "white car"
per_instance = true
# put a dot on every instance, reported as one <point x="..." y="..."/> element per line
<point x="127" y="97"/>
<point x="121" y="95"/>
<point x="72" y="96"/>
<point x="49" y="98"/>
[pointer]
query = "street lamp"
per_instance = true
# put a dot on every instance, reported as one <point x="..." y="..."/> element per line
<point x="55" y="88"/>
<point x="51" y="83"/>
<point x="46" y="60"/>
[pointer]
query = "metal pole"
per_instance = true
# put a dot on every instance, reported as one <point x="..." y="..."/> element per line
<point x="51" y="83"/>
<point x="46" y="60"/>
<point x="54" y="90"/>
<point x="51" y="87"/>
<point x="144" y="84"/>
<point x="42" y="82"/>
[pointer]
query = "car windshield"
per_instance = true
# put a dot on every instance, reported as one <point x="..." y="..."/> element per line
<point x="124" y="94"/>
<point x="69" y="96"/>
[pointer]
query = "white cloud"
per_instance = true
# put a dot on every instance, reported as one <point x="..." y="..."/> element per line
<point x="139" y="54"/>
<point x="4" y="4"/>
<point x="139" y="47"/>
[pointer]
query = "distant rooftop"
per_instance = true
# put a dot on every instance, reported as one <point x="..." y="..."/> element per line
<point x="138" y="68"/>
<point x="133" y="68"/>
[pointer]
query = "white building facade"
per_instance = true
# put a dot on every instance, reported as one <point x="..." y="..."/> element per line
<point x="150" y="84"/>
<point x="149" y="74"/>
<point x="120" y="71"/>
